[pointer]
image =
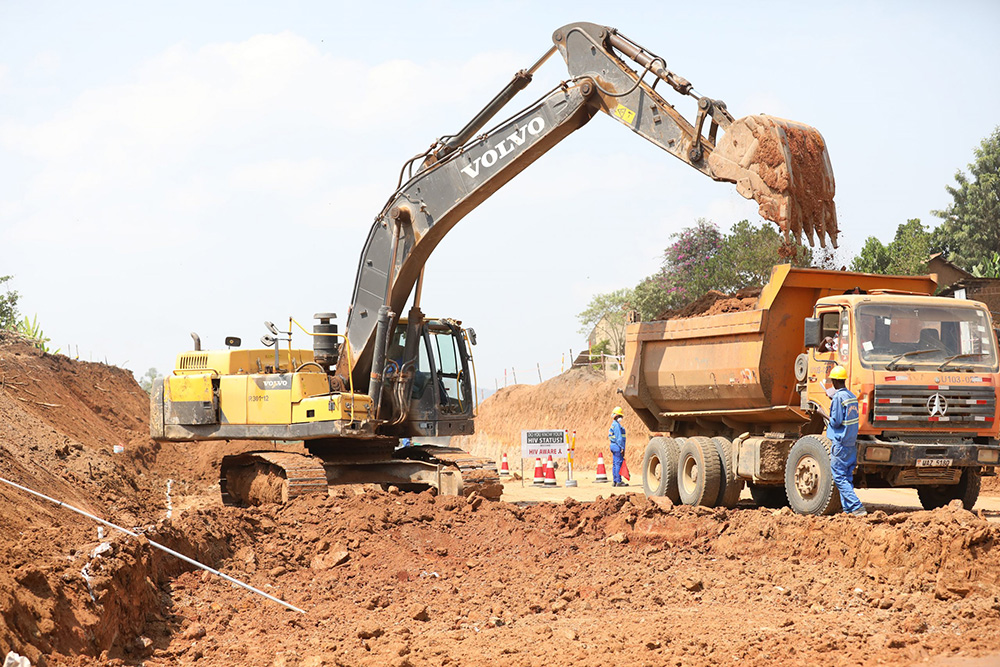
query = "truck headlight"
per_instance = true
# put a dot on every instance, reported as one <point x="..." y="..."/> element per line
<point x="989" y="455"/>
<point x="878" y="454"/>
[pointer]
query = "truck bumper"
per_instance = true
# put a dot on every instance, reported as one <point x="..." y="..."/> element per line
<point x="907" y="454"/>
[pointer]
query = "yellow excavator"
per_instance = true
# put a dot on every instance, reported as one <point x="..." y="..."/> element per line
<point x="353" y="396"/>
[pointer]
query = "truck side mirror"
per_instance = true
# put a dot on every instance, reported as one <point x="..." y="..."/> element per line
<point x="813" y="334"/>
<point x="472" y="335"/>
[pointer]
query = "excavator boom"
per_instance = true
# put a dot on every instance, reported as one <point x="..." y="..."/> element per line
<point x="782" y="165"/>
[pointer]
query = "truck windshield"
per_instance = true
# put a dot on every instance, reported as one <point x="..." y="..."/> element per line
<point x="909" y="336"/>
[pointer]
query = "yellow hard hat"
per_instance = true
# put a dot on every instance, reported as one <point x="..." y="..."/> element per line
<point x="838" y="373"/>
<point x="618" y="411"/>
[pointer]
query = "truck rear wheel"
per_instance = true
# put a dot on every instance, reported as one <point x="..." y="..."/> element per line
<point x="659" y="468"/>
<point x="730" y="486"/>
<point x="967" y="490"/>
<point x="809" y="478"/>
<point x="699" y="472"/>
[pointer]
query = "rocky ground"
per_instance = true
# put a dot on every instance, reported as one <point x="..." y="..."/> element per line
<point x="397" y="579"/>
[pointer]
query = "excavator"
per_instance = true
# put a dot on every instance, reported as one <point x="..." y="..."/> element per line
<point x="391" y="376"/>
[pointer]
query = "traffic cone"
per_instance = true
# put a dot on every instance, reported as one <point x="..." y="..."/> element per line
<point x="539" y="473"/>
<point x="550" y="473"/>
<point x="602" y="474"/>
<point x="624" y="471"/>
<point x="504" y="468"/>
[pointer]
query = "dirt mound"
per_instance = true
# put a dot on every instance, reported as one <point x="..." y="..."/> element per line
<point x="387" y="578"/>
<point x="580" y="399"/>
<point x="715" y="303"/>
<point x="402" y="579"/>
<point x="991" y="484"/>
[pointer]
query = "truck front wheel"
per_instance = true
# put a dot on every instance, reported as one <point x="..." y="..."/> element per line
<point x="967" y="490"/>
<point x="659" y="468"/>
<point x="809" y="479"/>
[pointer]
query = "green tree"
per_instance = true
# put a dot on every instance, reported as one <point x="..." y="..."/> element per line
<point x="606" y="314"/>
<point x="652" y="296"/>
<point x="873" y="258"/>
<point x="9" y="314"/>
<point x="905" y="255"/>
<point x="988" y="268"/>
<point x="747" y="255"/>
<point x="146" y="381"/>
<point x="971" y="227"/>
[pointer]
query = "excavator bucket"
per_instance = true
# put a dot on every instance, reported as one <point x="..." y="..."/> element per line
<point x="784" y="167"/>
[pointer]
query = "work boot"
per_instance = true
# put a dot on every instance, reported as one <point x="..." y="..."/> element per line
<point x="860" y="512"/>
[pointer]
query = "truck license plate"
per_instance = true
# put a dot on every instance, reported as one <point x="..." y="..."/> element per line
<point x="933" y="463"/>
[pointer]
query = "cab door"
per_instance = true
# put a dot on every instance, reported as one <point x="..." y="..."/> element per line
<point x="833" y="350"/>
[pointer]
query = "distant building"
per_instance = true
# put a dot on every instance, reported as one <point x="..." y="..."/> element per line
<point x="960" y="284"/>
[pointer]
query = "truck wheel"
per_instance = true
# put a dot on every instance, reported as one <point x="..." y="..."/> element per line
<point x="699" y="472"/>
<point x="967" y="490"/>
<point x="771" y="497"/>
<point x="659" y="468"/>
<point x="809" y="479"/>
<point x="731" y="486"/>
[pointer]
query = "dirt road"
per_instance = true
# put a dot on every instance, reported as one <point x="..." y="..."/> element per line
<point x="887" y="500"/>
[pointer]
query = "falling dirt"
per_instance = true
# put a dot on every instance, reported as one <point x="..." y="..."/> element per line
<point x="389" y="578"/>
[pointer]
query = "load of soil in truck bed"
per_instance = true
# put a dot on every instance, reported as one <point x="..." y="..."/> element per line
<point x="713" y="302"/>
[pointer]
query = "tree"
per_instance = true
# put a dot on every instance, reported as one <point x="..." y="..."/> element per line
<point x="605" y="315"/>
<point x="988" y="268"/>
<point x="905" y="255"/>
<point x="9" y="315"/>
<point x="748" y="253"/>
<point x="687" y="262"/>
<point x="146" y="381"/>
<point x="655" y="294"/>
<point x="971" y="227"/>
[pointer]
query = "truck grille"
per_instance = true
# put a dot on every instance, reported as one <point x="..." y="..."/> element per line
<point x="963" y="406"/>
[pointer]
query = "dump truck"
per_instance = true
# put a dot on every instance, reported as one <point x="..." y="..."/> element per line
<point x="739" y="397"/>
<point x="394" y="373"/>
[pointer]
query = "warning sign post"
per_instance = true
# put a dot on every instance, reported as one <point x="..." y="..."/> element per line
<point x="543" y="443"/>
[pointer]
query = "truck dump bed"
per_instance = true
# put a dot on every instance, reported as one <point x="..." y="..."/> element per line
<point x="737" y="368"/>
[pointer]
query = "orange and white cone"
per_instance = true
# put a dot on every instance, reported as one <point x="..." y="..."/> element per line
<point x="539" y="473"/>
<point x="504" y="468"/>
<point x="550" y="473"/>
<point x="602" y="473"/>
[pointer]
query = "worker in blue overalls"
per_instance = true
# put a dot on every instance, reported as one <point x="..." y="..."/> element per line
<point x="843" y="434"/>
<point x="616" y="434"/>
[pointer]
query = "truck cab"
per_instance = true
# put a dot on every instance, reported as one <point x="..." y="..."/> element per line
<point x="924" y="370"/>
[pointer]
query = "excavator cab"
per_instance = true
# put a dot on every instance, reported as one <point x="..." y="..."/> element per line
<point x="428" y="390"/>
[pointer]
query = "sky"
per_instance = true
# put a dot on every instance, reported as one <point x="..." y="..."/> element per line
<point x="169" y="167"/>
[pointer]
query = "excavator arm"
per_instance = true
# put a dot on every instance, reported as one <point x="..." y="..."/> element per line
<point x="781" y="164"/>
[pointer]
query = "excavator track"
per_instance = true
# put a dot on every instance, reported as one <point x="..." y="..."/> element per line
<point x="479" y="475"/>
<point x="257" y="478"/>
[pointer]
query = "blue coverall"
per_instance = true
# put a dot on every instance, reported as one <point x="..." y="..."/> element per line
<point x="843" y="433"/>
<point x="617" y="436"/>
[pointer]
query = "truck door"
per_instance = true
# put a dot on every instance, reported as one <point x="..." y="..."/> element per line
<point x="833" y="350"/>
